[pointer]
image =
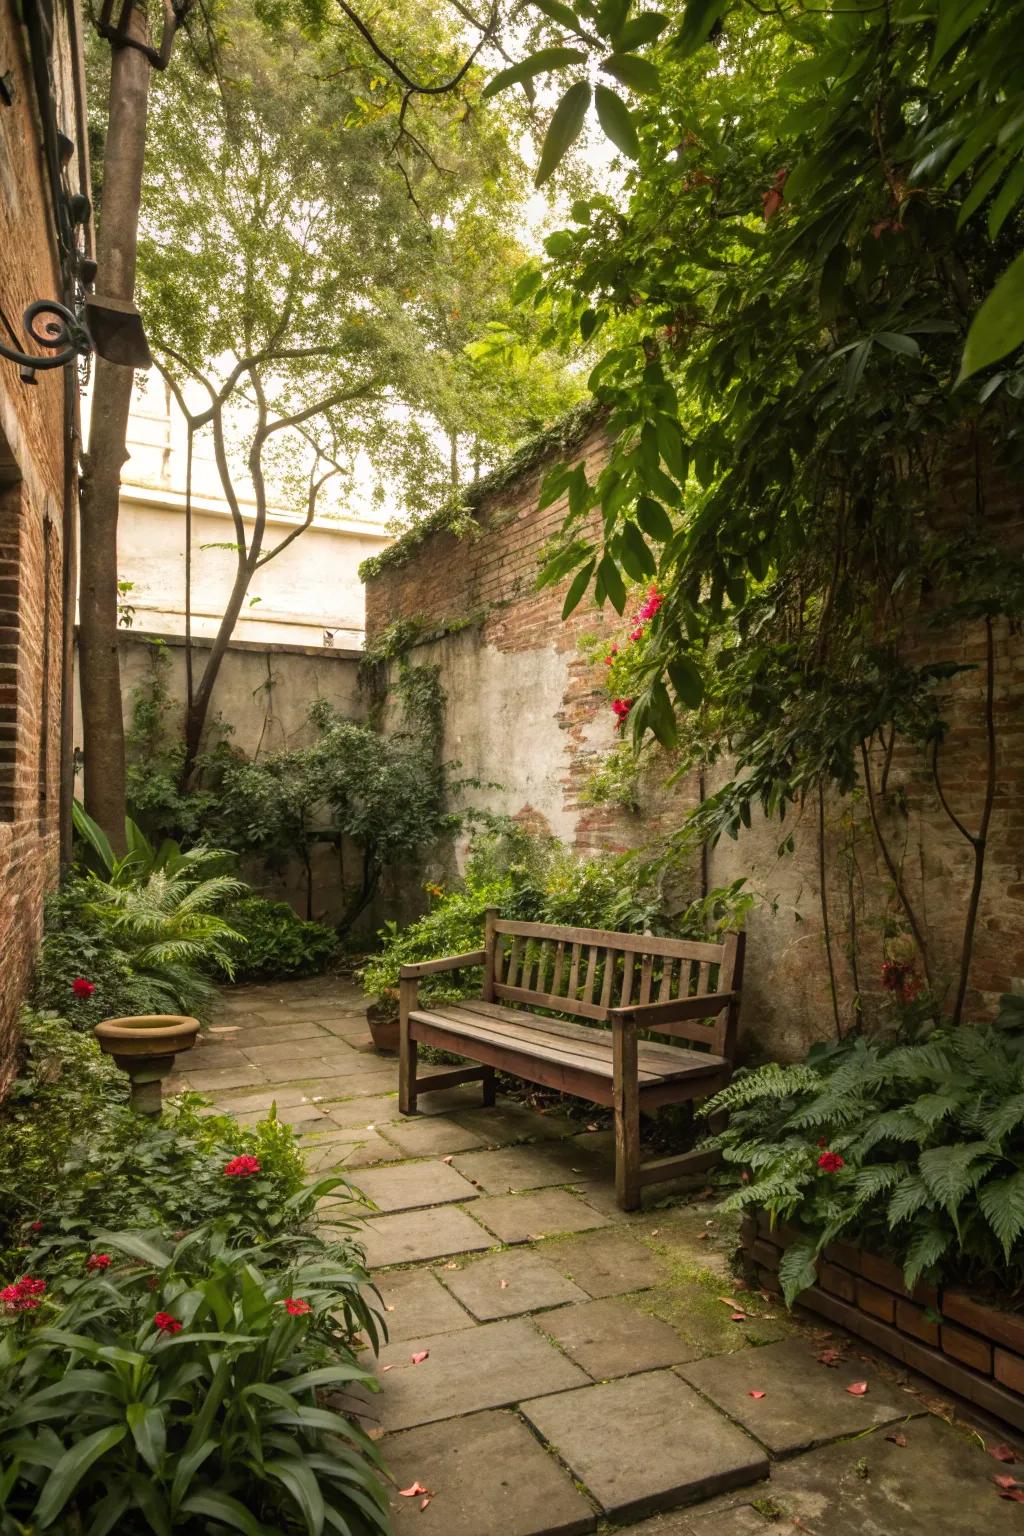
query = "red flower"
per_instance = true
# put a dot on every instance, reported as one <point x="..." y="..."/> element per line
<point x="98" y="1261"/>
<point x="23" y="1295"/>
<point x="166" y="1323"/>
<point x="831" y="1162"/>
<point x="36" y="1226"/>
<point x="899" y="976"/>
<point x="621" y="709"/>
<point x="635" y="634"/>
<point x="653" y="603"/>
<point x="82" y="988"/>
<point x="242" y="1167"/>
<point x="296" y="1307"/>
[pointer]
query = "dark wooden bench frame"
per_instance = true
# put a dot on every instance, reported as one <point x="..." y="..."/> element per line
<point x="525" y="964"/>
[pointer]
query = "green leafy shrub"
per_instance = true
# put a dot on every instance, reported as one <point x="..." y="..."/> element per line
<point x="540" y="880"/>
<point x="278" y="943"/>
<point x="75" y="1158"/>
<point x="181" y="1388"/>
<point x="911" y="1149"/>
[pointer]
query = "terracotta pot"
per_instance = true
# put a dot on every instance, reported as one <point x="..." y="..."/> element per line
<point x="144" y="1048"/>
<point x="383" y="1021"/>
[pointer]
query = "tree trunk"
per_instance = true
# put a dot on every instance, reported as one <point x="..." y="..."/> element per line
<point x="117" y="240"/>
<point x="195" y="718"/>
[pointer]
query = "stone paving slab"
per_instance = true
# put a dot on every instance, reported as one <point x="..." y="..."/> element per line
<point x="532" y="1166"/>
<point x="365" y="1112"/>
<point x="369" y="1152"/>
<point x="412" y="1236"/>
<point x="742" y="1520"/>
<point x="646" y="1443"/>
<point x="248" y="1036"/>
<point x="613" y="1338"/>
<point x="296" y="1115"/>
<point x="939" y="1484"/>
<point x="410" y="1185"/>
<point x="488" y="1477"/>
<point x="433" y="1136"/>
<point x="416" y="1305"/>
<point x="805" y="1403"/>
<point x="217" y="1078"/>
<point x="243" y="1103"/>
<point x="508" y="1284"/>
<point x="606" y="1263"/>
<point x="520" y="1218"/>
<point x="507" y="1122"/>
<point x="491" y="1366"/>
<point x="204" y="1055"/>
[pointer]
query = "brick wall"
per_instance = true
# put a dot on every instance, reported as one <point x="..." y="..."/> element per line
<point x="33" y="450"/>
<point x="528" y="716"/>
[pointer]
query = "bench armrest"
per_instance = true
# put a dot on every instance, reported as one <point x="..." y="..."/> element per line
<point x="650" y="1015"/>
<point x="447" y="963"/>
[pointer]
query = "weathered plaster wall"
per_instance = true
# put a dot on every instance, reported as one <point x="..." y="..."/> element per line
<point x="263" y="695"/>
<point x="527" y="712"/>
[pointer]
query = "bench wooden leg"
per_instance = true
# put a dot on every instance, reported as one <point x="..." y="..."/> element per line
<point x="490" y="1082"/>
<point x="408" y="1049"/>
<point x="627" y="1117"/>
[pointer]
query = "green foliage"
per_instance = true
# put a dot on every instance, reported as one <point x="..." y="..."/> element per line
<point x="928" y="1132"/>
<point x="277" y="942"/>
<point x="383" y="792"/>
<point x="109" y="1423"/>
<point x="538" y="879"/>
<point x="74" y="1157"/>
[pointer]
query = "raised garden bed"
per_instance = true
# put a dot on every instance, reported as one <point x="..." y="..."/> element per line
<point x="964" y="1345"/>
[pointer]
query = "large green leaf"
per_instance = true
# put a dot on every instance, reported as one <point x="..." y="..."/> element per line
<point x="93" y="834"/>
<point x="699" y="20"/>
<point x="577" y="588"/>
<point x="303" y="1487"/>
<point x="149" y="1432"/>
<point x="541" y="63"/>
<point x="222" y="1507"/>
<point x="63" y="1481"/>
<point x="632" y="70"/>
<point x="564" y="129"/>
<point x="616" y="120"/>
<point x="998" y="327"/>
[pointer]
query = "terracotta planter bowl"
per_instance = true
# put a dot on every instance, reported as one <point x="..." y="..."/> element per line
<point x="144" y="1048"/>
<point x="383" y="1021"/>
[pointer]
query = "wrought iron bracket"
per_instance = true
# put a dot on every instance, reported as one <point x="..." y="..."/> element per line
<point x="64" y="334"/>
<point x="119" y="35"/>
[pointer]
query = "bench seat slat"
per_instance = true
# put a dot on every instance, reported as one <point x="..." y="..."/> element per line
<point x="531" y="1036"/>
<point x="639" y="943"/>
<point x="597" y="1041"/>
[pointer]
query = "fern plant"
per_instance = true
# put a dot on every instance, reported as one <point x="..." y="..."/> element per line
<point x="912" y="1149"/>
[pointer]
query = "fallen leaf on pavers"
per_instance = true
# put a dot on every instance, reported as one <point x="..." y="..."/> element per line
<point x="857" y="1388"/>
<point x="730" y="1301"/>
<point x="424" y="1503"/>
<point x="1016" y="1494"/>
<point x="702" y="1237"/>
<point x="388" y="1308"/>
<point x="1001" y="1452"/>
<point x="593" y="1127"/>
<point x="451" y="1265"/>
<point x="897" y="1439"/>
<point x="447" y="1160"/>
<point x="386" y="1368"/>
<point x="738" y="1317"/>
<point x="419" y="1357"/>
<point x="830" y="1357"/>
<point x="757" y="1395"/>
<point x="1006" y="1481"/>
<point x="376" y="1433"/>
<point x="656" y="1232"/>
<point x="503" y="1285"/>
<point x="412" y="1492"/>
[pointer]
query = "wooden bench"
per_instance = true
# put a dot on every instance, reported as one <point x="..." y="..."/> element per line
<point x="628" y="983"/>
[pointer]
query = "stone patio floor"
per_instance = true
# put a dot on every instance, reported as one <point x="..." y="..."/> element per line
<point x="556" y="1367"/>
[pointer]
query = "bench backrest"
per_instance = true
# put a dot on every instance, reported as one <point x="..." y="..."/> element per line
<point x="585" y="971"/>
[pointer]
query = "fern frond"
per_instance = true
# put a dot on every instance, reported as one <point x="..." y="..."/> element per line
<point x="1002" y="1203"/>
<point x="927" y="1247"/>
<point x="907" y="1199"/>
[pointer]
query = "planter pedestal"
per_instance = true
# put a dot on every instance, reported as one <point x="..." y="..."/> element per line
<point x="144" y="1049"/>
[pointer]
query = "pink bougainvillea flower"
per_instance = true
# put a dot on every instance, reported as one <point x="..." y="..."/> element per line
<point x="857" y="1388"/>
<point x="610" y="658"/>
<point x="166" y="1323"/>
<point x="36" y="1226"/>
<point x="636" y="634"/>
<point x="621" y="709"/>
<point x="82" y="988"/>
<point x="296" y="1307"/>
<point x="831" y="1162"/>
<point x="242" y="1167"/>
<point x="420" y="1356"/>
<point x="98" y="1261"/>
<point x="653" y="603"/>
<point x="412" y="1492"/>
<point x="757" y="1395"/>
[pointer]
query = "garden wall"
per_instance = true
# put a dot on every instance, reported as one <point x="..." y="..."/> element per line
<point x="528" y="717"/>
<point x="38" y="494"/>
<point x="261" y="700"/>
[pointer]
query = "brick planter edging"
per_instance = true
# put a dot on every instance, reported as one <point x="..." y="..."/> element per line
<point x="972" y="1350"/>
